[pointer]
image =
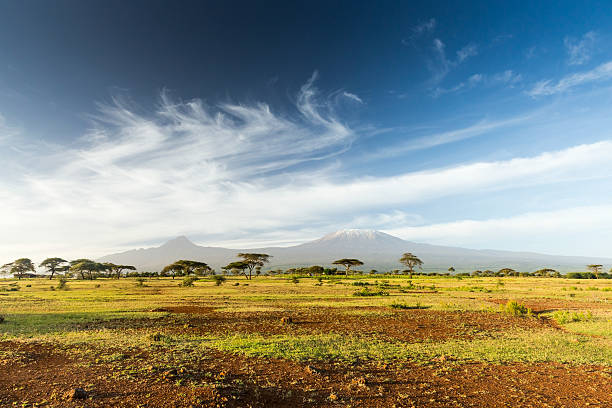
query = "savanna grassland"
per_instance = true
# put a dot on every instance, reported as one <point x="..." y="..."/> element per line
<point x="276" y="341"/>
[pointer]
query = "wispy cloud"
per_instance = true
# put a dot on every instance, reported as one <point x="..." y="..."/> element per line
<point x="508" y="78"/>
<point x="441" y="65"/>
<point x="425" y="27"/>
<point x="550" y="87"/>
<point x="579" y="50"/>
<point x="466" y="52"/>
<point x="353" y="97"/>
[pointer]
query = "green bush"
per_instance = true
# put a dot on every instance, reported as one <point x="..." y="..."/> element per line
<point x="565" y="316"/>
<point x="188" y="281"/>
<point x="61" y="283"/>
<point x="219" y="279"/>
<point x="515" y="308"/>
<point x="367" y="292"/>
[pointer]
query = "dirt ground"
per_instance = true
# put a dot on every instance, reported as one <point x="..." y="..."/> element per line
<point x="38" y="374"/>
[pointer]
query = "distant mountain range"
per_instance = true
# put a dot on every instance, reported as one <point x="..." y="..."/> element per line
<point x="376" y="249"/>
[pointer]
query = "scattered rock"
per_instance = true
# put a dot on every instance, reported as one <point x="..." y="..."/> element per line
<point x="286" y="320"/>
<point x="76" y="394"/>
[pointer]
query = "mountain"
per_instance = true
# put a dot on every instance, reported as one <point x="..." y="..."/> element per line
<point x="376" y="249"/>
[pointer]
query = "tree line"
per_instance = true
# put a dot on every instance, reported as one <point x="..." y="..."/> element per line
<point x="250" y="265"/>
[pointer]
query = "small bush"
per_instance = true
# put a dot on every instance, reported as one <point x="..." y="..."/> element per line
<point x="367" y="292"/>
<point x="237" y="284"/>
<point x="140" y="282"/>
<point x="61" y="283"/>
<point x="188" y="281"/>
<point x="515" y="308"/>
<point x="295" y="280"/>
<point x="28" y="285"/>
<point x="1" y="319"/>
<point x="404" y="306"/>
<point x="219" y="279"/>
<point x="160" y="337"/>
<point x="358" y="283"/>
<point x="565" y="316"/>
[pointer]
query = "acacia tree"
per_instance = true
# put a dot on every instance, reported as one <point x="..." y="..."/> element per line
<point x="54" y="265"/>
<point x="545" y="272"/>
<point x="506" y="271"/>
<point x="451" y="269"/>
<point x="410" y="260"/>
<point x="595" y="269"/>
<point x="347" y="263"/>
<point x="117" y="270"/>
<point x="185" y="267"/>
<point x="19" y="267"/>
<point x="253" y="261"/>
<point x="87" y="267"/>
<point x="237" y="266"/>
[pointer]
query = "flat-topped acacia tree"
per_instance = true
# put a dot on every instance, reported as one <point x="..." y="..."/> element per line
<point x="87" y="267"/>
<point x="595" y="269"/>
<point x="348" y="263"/>
<point x="237" y="266"/>
<point x="19" y="267"/>
<point x="410" y="260"/>
<point x="253" y="261"/>
<point x="185" y="267"/>
<point x="117" y="270"/>
<point x="54" y="265"/>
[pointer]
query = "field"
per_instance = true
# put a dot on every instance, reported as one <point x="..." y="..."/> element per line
<point x="357" y="341"/>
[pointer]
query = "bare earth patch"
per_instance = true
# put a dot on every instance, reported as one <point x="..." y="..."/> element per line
<point x="43" y="374"/>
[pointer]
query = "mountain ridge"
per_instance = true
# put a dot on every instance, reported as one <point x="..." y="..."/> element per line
<point x="377" y="249"/>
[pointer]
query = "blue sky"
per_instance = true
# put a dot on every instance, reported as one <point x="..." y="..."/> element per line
<point x="476" y="124"/>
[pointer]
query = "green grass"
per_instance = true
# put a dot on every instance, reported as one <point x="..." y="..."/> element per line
<point x="41" y="314"/>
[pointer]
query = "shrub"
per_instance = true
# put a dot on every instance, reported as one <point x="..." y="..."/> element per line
<point x="358" y="283"/>
<point x="219" y="279"/>
<point x="140" y="282"/>
<point x="405" y="306"/>
<point x="1" y="319"/>
<point x="367" y="292"/>
<point x="61" y="283"/>
<point x="188" y="281"/>
<point x="515" y="308"/>
<point x="295" y="280"/>
<point x="160" y="337"/>
<point x="565" y="316"/>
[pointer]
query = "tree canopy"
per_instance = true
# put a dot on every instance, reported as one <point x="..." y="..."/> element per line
<point x="53" y="265"/>
<point x="348" y="263"/>
<point x="87" y="268"/>
<point x="117" y="270"/>
<point x="410" y="260"/>
<point x="253" y="261"/>
<point x="186" y="267"/>
<point x="596" y="269"/>
<point x="19" y="267"/>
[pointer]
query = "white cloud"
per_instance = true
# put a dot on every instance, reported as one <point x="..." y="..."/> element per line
<point x="233" y="171"/>
<point x="466" y="52"/>
<point x="508" y="78"/>
<point x="579" y="51"/>
<point x="547" y="231"/>
<point x="424" y="27"/>
<point x="352" y="97"/>
<point x="440" y="66"/>
<point x="549" y="87"/>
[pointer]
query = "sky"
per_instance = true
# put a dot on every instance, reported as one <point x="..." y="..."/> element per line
<point x="245" y="124"/>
